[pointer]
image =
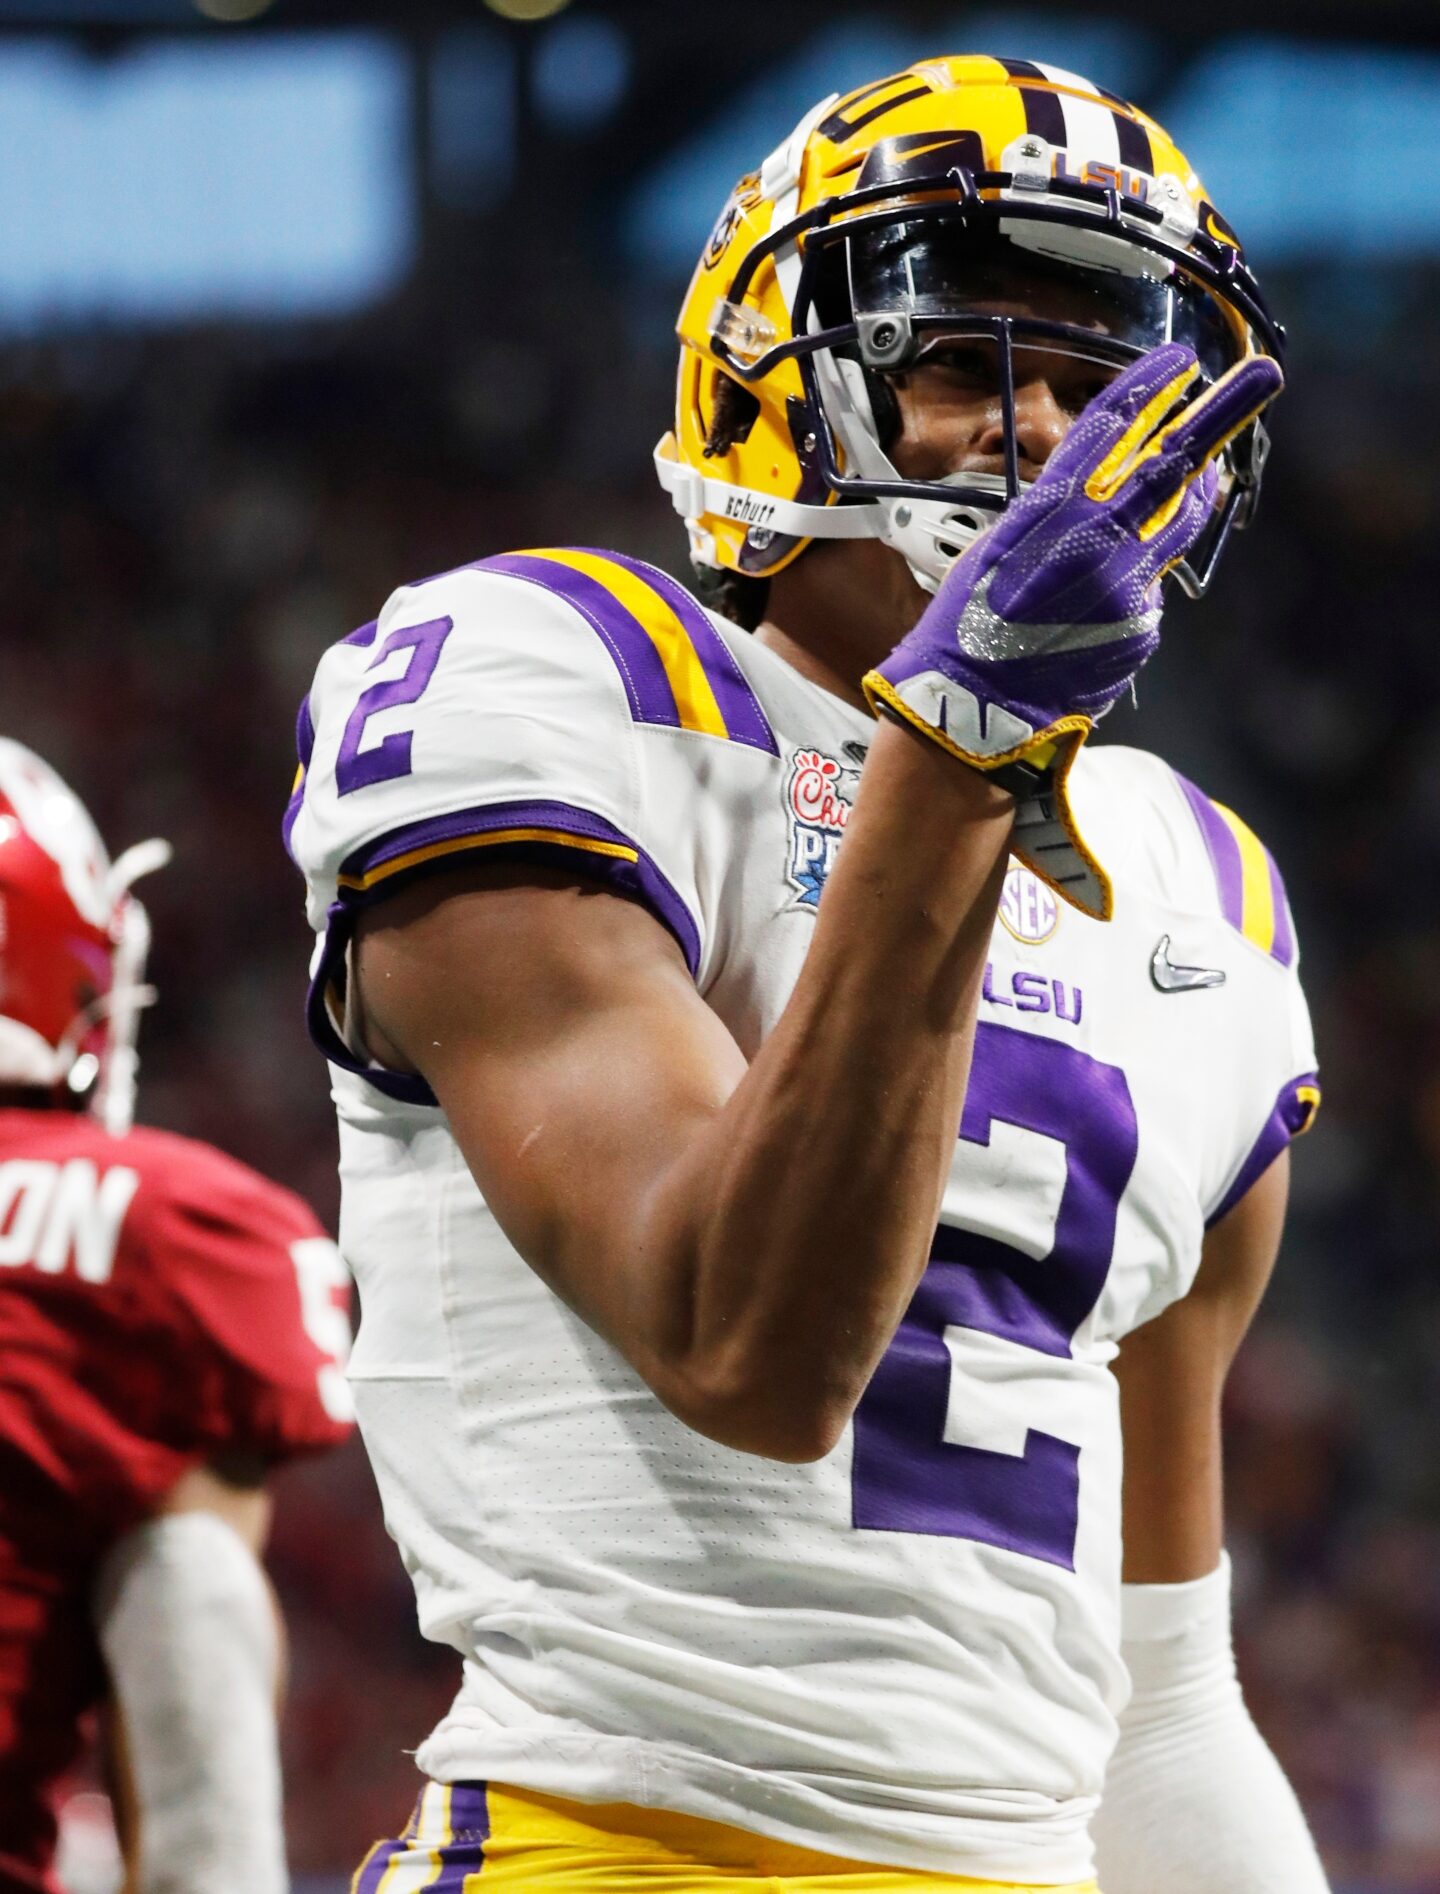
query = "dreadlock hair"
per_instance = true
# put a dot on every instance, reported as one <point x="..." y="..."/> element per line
<point x="735" y="595"/>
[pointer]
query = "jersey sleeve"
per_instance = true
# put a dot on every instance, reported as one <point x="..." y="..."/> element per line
<point x="1280" y="1092"/>
<point x="259" y="1303"/>
<point x="504" y="708"/>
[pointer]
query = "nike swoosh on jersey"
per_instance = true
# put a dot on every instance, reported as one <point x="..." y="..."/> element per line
<point x="1171" y="978"/>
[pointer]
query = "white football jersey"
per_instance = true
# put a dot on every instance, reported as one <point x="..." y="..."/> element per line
<point x="906" y="1652"/>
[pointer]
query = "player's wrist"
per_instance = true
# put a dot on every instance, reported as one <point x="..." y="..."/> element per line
<point x="969" y="793"/>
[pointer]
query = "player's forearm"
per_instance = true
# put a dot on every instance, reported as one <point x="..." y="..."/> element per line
<point x="187" y="1623"/>
<point x="801" y="1216"/>
<point x="1195" y="1802"/>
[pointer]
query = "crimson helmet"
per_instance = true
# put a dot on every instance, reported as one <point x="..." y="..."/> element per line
<point x="73" y="942"/>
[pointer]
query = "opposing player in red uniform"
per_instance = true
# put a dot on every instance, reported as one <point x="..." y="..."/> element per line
<point x="171" y="1326"/>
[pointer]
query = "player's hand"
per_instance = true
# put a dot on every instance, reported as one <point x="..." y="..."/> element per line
<point x="1043" y="622"/>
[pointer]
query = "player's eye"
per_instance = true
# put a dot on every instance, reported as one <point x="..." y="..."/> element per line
<point x="963" y="366"/>
<point x="1080" y="392"/>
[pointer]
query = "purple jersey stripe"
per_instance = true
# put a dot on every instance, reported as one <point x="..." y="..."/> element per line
<point x="624" y="637"/>
<point x="365" y="635"/>
<point x="304" y="733"/>
<point x="744" y="719"/>
<point x="1292" y="1115"/>
<point x="640" y="880"/>
<point x="1283" y="945"/>
<point x="304" y="748"/>
<point x="412" y="837"/>
<point x="1224" y="851"/>
<point x="404" y="1087"/>
<point x="640" y="877"/>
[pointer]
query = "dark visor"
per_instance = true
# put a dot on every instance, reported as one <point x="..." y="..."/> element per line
<point x="929" y="270"/>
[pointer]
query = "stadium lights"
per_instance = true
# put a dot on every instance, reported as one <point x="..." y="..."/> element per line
<point x="527" y="9"/>
<point x="232" y="12"/>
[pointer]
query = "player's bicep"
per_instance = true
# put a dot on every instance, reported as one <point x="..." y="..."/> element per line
<point x="561" y="1032"/>
<point x="1172" y="1375"/>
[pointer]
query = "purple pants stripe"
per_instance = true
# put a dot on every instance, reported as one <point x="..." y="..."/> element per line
<point x="745" y="721"/>
<point x="624" y="637"/>
<point x="1224" y="852"/>
<point x="461" y="1854"/>
<point x="470" y="1811"/>
<point x="375" y="1865"/>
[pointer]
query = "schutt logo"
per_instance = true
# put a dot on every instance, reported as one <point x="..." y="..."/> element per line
<point x="817" y="806"/>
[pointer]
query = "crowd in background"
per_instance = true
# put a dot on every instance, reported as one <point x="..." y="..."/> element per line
<point x="189" y="522"/>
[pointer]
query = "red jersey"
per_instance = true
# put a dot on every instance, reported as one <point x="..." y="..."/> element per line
<point x="159" y="1304"/>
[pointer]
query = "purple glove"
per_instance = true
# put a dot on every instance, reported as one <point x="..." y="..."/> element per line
<point x="1044" y="621"/>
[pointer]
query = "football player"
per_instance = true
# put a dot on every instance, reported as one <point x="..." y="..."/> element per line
<point x="172" y="1326"/>
<point x="801" y="1103"/>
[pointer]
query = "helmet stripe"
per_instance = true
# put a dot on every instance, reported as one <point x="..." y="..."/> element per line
<point x="1135" y="149"/>
<point x="1089" y="128"/>
<point x="1044" y="110"/>
<point x="837" y="128"/>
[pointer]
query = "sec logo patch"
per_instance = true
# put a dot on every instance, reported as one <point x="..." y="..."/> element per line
<point x="1028" y="909"/>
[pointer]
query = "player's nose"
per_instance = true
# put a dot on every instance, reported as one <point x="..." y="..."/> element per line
<point x="1041" y="423"/>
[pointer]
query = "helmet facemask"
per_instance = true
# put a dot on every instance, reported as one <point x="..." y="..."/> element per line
<point x="921" y="292"/>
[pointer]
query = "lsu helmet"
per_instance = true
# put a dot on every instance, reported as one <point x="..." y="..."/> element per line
<point x="73" y="943"/>
<point x="961" y="198"/>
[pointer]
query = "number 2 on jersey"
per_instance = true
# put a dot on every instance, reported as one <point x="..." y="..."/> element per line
<point x="907" y="1477"/>
<point x="390" y="757"/>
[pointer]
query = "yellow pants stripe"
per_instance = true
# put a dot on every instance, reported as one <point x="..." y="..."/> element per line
<point x="537" y="1843"/>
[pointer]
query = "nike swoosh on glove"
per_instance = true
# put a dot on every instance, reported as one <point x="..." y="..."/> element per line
<point x="1043" y="622"/>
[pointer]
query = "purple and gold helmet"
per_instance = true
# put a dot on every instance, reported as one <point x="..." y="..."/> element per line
<point x="992" y="201"/>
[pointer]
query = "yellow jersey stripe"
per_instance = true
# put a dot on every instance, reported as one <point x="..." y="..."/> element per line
<point x="1257" y="899"/>
<point x="694" y="698"/>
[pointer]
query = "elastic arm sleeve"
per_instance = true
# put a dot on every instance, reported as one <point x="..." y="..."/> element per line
<point x="187" y="1625"/>
<point x="1194" y="1802"/>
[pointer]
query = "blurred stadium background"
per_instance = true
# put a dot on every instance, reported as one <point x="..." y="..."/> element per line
<point x="297" y="302"/>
